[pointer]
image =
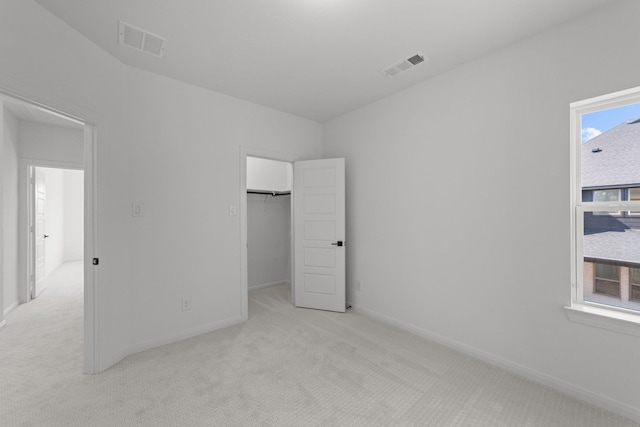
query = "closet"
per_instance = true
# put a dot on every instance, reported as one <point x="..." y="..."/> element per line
<point x="268" y="222"/>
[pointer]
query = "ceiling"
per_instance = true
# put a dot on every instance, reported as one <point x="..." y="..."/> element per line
<point x="313" y="58"/>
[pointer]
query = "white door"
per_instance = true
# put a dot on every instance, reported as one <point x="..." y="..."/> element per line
<point x="319" y="234"/>
<point x="39" y="236"/>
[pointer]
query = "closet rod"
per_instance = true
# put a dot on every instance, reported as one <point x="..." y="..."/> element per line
<point x="271" y="193"/>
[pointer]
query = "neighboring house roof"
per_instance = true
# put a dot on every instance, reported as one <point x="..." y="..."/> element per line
<point x="617" y="246"/>
<point x="616" y="164"/>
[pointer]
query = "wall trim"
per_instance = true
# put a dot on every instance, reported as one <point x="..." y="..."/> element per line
<point x="269" y="285"/>
<point x="512" y="367"/>
<point x="10" y="309"/>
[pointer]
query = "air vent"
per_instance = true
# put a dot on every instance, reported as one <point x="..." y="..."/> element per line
<point x="142" y="40"/>
<point x="404" y="65"/>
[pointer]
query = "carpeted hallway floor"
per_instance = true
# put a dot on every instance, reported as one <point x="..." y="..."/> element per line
<point x="284" y="367"/>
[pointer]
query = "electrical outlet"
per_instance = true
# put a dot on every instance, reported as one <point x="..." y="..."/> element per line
<point x="358" y="285"/>
<point x="186" y="303"/>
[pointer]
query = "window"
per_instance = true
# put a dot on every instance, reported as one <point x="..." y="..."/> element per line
<point x="634" y="196"/>
<point x="605" y="199"/>
<point x="634" y="285"/>
<point x="607" y="279"/>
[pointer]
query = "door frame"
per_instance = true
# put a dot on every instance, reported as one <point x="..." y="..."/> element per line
<point x="91" y="328"/>
<point x="244" y="265"/>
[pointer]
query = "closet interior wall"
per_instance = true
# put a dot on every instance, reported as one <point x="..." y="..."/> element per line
<point x="268" y="238"/>
<point x="268" y="223"/>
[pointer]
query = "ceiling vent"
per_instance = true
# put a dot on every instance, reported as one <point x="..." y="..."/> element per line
<point x="404" y="65"/>
<point x="141" y="40"/>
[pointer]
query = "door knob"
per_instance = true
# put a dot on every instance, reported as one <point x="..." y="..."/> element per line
<point x="338" y="243"/>
<point x="46" y="235"/>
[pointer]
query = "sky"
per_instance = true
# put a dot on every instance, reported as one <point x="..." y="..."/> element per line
<point x="593" y="124"/>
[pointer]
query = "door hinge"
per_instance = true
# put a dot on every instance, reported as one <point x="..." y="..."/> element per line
<point x="96" y="261"/>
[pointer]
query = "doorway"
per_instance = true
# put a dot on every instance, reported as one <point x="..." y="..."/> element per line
<point x="317" y="231"/>
<point x="268" y="218"/>
<point x="56" y="224"/>
<point x="24" y="119"/>
<point x="247" y="153"/>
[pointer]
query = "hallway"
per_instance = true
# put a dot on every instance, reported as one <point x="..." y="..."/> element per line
<point x="48" y="331"/>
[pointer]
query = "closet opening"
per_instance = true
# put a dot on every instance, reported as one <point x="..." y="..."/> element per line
<point x="268" y="219"/>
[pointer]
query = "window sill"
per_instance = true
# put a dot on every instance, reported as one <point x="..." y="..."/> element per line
<point x="606" y="319"/>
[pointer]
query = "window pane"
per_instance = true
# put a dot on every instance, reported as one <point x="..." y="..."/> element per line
<point x="607" y="271"/>
<point x="606" y="196"/>
<point x="611" y="250"/>
<point x="605" y="287"/>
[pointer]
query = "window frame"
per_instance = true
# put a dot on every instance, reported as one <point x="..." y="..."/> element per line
<point x="586" y="312"/>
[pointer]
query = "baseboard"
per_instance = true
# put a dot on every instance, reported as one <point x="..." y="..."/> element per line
<point x="10" y="308"/>
<point x="517" y="369"/>
<point x="179" y="336"/>
<point x="269" y="285"/>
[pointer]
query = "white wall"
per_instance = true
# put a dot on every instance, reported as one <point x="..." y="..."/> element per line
<point x="187" y="156"/>
<point x="9" y="208"/>
<point x="268" y="239"/>
<point x="73" y="215"/>
<point x="47" y="142"/>
<point x="54" y="219"/>
<point x="270" y="175"/>
<point x="458" y="216"/>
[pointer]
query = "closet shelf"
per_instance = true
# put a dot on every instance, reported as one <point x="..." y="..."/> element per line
<point x="270" y="193"/>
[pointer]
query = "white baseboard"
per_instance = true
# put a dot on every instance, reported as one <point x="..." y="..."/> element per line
<point x="10" y="308"/>
<point x="515" y="368"/>
<point x="269" y="285"/>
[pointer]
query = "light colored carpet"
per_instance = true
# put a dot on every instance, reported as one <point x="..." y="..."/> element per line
<point x="284" y="367"/>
